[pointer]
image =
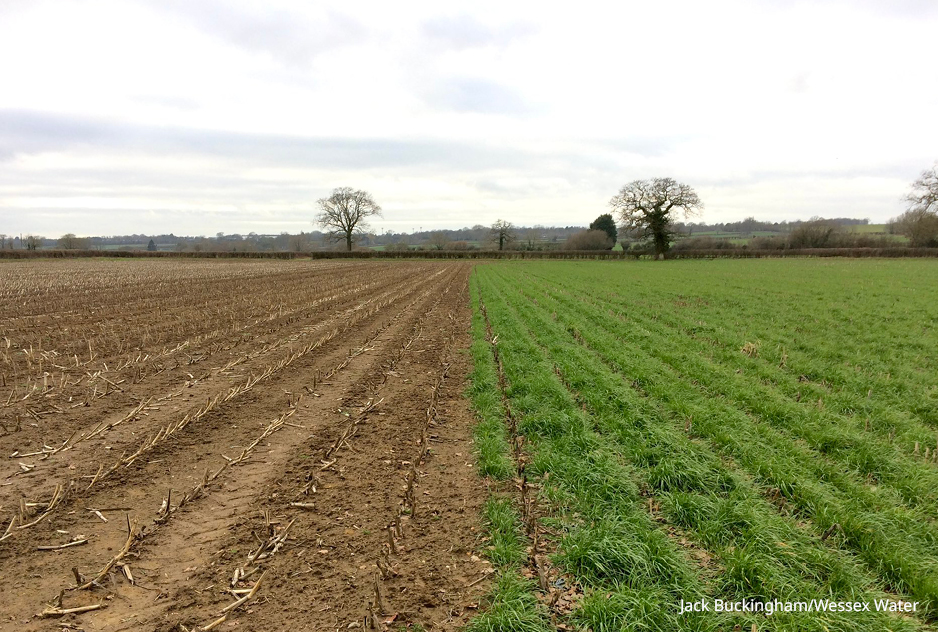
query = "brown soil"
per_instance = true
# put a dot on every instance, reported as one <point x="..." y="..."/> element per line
<point x="305" y="420"/>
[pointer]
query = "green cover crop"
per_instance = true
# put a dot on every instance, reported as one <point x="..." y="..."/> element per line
<point x="756" y="432"/>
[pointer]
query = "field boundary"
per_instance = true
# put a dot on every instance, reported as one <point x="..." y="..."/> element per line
<point x="863" y="253"/>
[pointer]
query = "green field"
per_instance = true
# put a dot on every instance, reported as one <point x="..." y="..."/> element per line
<point x="736" y="430"/>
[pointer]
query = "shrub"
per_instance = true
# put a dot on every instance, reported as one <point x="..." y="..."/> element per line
<point x="768" y="243"/>
<point x="920" y="225"/>
<point x="704" y="243"/>
<point x="816" y="233"/>
<point x="589" y="240"/>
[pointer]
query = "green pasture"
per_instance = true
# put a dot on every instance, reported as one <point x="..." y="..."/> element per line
<point x="726" y="429"/>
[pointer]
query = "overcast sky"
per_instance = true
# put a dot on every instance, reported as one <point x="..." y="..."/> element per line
<point x="196" y="117"/>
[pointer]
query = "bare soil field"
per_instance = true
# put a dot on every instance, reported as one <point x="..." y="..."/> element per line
<point x="257" y="445"/>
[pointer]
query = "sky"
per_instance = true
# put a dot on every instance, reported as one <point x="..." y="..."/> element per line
<point x="198" y="117"/>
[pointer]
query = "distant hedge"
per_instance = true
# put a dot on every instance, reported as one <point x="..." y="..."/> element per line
<point x="141" y="254"/>
<point x="741" y="253"/>
<point x="805" y="252"/>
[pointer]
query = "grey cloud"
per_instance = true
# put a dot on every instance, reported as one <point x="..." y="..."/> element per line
<point x="30" y="132"/>
<point x="25" y="132"/>
<point x="588" y="165"/>
<point x="896" y="170"/>
<point x="466" y="32"/>
<point x="133" y="181"/>
<point x="495" y="188"/>
<point x="52" y="222"/>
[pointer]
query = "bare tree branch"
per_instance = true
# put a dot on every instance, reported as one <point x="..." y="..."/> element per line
<point x="920" y="222"/>
<point x="344" y="213"/>
<point x="924" y="194"/>
<point x="502" y="233"/>
<point x="439" y="240"/>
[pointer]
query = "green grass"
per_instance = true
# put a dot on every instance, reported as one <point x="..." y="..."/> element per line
<point x="507" y="545"/>
<point x="677" y="466"/>
<point x="511" y="605"/>
<point x="490" y="436"/>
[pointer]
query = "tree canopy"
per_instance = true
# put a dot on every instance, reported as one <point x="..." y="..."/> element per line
<point x="606" y="224"/>
<point x="650" y="208"/>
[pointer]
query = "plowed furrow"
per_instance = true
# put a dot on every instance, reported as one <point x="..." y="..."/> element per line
<point x="326" y="573"/>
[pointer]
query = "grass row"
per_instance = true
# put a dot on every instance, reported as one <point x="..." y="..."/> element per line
<point x="511" y="604"/>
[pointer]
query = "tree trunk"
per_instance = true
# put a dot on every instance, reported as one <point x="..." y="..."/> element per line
<point x="659" y="228"/>
<point x="348" y="241"/>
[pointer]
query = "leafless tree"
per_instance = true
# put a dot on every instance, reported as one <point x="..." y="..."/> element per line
<point x="502" y="233"/>
<point x="299" y="243"/>
<point x="919" y="225"/>
<point x="69" y="241"/>
<point x="920" y="222"/>
<point x="399" y="246"/>
<point x="650" y="207"/>
<point x="32" y="242"/>
<point x="439" y="240"/>
<point x="531" y="237"/>
<point x="344" y="214"/>
<point x="3" y="242"/>
<point x="924" y="193"/>
<point x="815" y="233"/>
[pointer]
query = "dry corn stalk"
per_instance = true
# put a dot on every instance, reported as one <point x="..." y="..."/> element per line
<point x="132" y="536"/>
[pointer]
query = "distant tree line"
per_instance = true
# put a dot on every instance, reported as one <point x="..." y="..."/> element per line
<point x="647" y="216"/>
<point x="751" y="225"/>
<point x="22" y="242"/>
<point x="476" y="237"/>
<point x="814" y="233"/>
<point x="819" y="233"/>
